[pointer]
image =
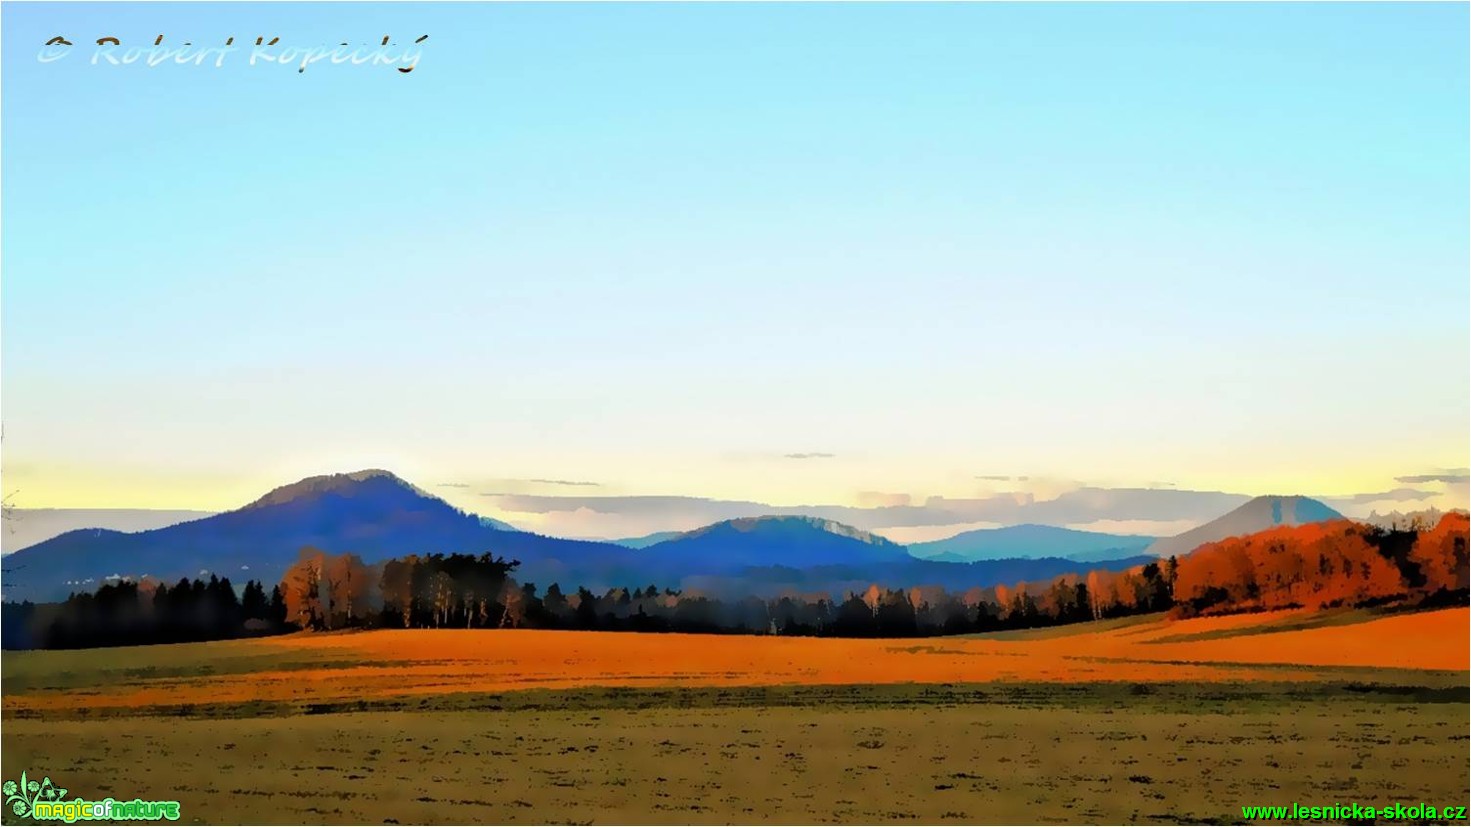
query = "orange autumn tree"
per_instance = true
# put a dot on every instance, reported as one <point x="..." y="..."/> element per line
<point x="1316" y="565"/>
<point x="1441" y="554"/>
<point x="349" y="585"/>
<point x="1003" y="600"/>
<point x="328" y="591"/>
<point x="1111" y="592"/>
<point x="302" y="589"/>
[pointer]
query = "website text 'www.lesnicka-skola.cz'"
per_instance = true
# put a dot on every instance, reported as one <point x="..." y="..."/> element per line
<point x="1353" y="812"/>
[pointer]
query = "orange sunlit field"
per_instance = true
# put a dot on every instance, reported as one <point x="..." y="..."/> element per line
<point x="335" y="667"/>
<point x="1120" y="721"/>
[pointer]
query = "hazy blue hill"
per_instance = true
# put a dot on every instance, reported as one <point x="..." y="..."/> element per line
<point x="767" y="556"/>
<point x="1031" y="542"/>
<point x="377" y="516"/>
<point x="839" y="580"/>
<point x="1255" y="515"/>
<point x="29" y="526"/>
<point x="944" y="557"/>
<point x="646" y="540"/>
<point x="798" y="542"/>
<point x="491" y="522"/>
<point x="372" y="513"/>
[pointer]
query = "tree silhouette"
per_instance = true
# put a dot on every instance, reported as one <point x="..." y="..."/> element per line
<point x="1338" y="563"/>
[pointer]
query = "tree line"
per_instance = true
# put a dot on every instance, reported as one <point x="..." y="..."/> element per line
<point x="325" y="591"/>
<point x="1319" y="565"/>
<point x="128" y="612"/>
<point x="1339" y="563"/>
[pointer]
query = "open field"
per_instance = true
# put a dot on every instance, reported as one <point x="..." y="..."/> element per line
<point x="373" y="666"/>
<point x="1122" y="721"/>
<point x="1013" y="755"/>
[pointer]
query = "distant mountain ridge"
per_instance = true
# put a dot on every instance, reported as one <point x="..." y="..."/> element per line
<point x="25" y="527"/>
<point x="1424" y="517"/>
<point x="647" y="540"/>
<point x="774" y="581"/>
<point x="377" y="515"/>
<point x="1257" y="514"/>
<point x="347" y="485"/>
<point x="371" y="513"/>
<point x="797" y="542"/>
<point x="1032" y="542"/>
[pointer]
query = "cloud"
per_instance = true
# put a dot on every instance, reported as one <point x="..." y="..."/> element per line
<point x="907" y="535"/>
<point x="1147" y="528"/>
<point x="527" y="485"/>
<point x="810" y="455"/>
<point x="1398" y="495"/>
<point x="452" y="485"/>
<point x="674" y="506"/>
<point x="1090" y="504"/>
<point x="647" y="514"/>
<point x="1156" y="511"/>
<point x="1451" y="476"/>
<point x="880" y="499"/>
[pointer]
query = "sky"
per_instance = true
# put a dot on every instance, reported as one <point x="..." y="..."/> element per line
<point x="851" y="255"/>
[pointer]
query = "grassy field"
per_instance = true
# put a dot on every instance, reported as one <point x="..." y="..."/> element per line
<point x="1143" y="721"/>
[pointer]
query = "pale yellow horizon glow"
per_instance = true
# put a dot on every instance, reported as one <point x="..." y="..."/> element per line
<point x="772" y="480"/>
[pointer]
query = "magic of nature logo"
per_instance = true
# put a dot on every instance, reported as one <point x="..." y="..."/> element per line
<point x="45" y="801"/>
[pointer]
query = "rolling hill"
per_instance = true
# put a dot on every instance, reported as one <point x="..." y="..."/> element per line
<point x="1255" y="515"/>
<point x="25" y="527"/>
<point x="840" y="579"/>
<point x="1031" y="542"/>
<point x="378" y="516"/>
<point x="797" y="542"/>
<point x="646" y="540"/>
<point x="372" y="513"/>
<point x="772" y="555"/>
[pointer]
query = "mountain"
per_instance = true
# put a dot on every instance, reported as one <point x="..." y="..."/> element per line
<point x="1255" y="515"/>
<point x="28" y="526"/>
<point x="838" y="580"/>
<point x="1421" y="519"/>
<point x="1031" y="542"/>
<point x="491" y="522"/>
<point x="646" y="540"/>
<point x="372" y="513"/>
<point x="377" y="516"/>
<point x="797" y="542"/>
<point x="944" y="557"/>
<point x="774" y="555"/>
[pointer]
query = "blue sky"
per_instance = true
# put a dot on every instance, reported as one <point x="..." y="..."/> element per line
<point x="661" y="247"/>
